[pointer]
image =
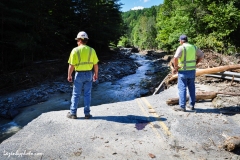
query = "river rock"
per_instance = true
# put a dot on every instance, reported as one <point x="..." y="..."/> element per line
<point x="9" y="113"/>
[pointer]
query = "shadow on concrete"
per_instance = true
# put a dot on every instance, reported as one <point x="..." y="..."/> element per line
<point x="139" y="121"/>
<point x="231" y="110"/>
<point x="236" y="151"/>
<point x="128" y="119"/>
<point x="208" y="110"/>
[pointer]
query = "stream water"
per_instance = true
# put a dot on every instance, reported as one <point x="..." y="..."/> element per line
<point x="127" y="88"/>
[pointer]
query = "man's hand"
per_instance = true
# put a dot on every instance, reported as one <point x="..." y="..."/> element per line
<point x="95" y="77"/>
<point x="175" y="65"/>
<point x="174" y="71"/>
<point x="69" y="78"/>
<point x="70" y="70"/>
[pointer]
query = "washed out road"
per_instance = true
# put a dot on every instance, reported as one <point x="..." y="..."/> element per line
<point x="143" y="128"/>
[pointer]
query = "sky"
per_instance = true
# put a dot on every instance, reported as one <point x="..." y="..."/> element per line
<point x="138" y="4"/>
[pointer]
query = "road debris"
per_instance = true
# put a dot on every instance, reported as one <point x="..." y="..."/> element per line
<point x="231" y="143"/>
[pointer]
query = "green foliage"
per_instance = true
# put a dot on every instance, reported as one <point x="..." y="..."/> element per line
<point x="209" y="42"/>
<point x="141" y="31"/>
<point x="43" y="29"/>
<point x="124" y="42"/>
<point x="209" y="24"/>
<point x="172" y="24"/>
<point x="223" y="18"/>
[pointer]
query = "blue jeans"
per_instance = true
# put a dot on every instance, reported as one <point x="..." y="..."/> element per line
<point x="186" y="79"/>
<point x="81" y="80"/>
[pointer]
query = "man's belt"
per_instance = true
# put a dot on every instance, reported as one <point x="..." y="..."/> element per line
<point x="84" y="71"/>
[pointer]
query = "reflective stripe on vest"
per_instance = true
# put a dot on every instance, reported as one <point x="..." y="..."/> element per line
<point x="83" y="63"/>
<point x="188" y="62"/>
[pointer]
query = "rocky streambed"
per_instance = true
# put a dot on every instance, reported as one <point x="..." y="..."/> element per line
<point x="124" y="63"/>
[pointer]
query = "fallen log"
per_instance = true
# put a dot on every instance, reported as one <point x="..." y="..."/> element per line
<point x="160" y="86"/>
<point x="210" y="71"/>
<point x="231" y="143"/>
<point x="201" y="96"/>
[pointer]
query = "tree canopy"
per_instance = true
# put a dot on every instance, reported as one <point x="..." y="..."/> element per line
<point x="43" y="29"/>
<point x="208" y="24"/>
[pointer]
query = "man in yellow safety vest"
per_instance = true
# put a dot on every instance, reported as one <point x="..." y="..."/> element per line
<point x="83" y="59"/>
<point x="186" y="58"/>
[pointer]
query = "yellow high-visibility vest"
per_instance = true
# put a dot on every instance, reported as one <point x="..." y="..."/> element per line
<point x="83" y="58"/>
<point x="79" y="58"/>
<point x="188" y="59"/>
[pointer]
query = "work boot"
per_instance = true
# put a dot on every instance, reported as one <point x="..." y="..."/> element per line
<point x="178" y="108"/>
<point x="71" y="116"/>
<point x="190" y="107"/>
<point x="88" y="116"/>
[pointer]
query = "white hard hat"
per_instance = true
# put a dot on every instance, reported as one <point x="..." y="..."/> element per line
<point x="82" y="35"/>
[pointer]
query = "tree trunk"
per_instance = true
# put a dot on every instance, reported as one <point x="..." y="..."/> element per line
<point x="210" y="70"/>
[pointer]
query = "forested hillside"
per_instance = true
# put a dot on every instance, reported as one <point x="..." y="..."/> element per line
<point x="41" y="30"/>
<point x="211" y="25"/>
<point x="141" y="28"/>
